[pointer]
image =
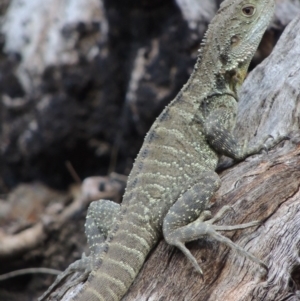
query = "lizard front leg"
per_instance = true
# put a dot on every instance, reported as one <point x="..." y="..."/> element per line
<point x="184" y="221"/>
<point x="218" y="131"/>
<point x="100" y="217"/>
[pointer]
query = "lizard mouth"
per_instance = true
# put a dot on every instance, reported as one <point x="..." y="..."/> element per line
<point x="229" y="93"/>
<point x="232" y="94"/>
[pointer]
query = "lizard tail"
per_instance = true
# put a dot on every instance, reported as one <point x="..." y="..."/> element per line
<point x="119" y="266"/>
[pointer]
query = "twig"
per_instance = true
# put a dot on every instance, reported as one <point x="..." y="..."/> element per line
<point x="73" y="172"/>
<point x="29" y="271"/>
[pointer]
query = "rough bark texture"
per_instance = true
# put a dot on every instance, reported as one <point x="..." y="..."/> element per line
<point x="88" y="99"/>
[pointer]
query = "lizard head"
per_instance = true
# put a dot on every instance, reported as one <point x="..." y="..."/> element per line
<point x="235" y="33"/>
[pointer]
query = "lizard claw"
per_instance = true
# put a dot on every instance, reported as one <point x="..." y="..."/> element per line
<point x="232" y="209"/>
<point x="273" y="142"/>
<point x="202" y="276"/>
<point x="199" y="270"/>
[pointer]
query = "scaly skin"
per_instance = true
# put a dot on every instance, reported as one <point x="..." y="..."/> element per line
<point x="173" y="177"/>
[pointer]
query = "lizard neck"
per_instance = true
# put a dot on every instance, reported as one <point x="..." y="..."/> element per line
<point x="212" y="75"/>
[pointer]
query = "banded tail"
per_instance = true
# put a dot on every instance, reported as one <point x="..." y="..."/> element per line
<point x="117" y="269"/>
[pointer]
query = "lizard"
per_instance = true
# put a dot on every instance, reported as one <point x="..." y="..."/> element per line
<point x="173" y="178"/>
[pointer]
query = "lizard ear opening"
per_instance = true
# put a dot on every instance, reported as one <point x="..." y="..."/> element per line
<point x="248" y="10"/>
<point x="234" y="40"/>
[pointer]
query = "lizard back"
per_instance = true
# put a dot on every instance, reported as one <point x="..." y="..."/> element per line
<point x="156" y="181"/>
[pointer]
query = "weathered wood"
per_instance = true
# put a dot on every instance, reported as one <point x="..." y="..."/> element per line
<point x="264" y="187"/>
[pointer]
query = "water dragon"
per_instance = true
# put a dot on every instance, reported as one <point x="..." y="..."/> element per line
<point x="173" y="178"/>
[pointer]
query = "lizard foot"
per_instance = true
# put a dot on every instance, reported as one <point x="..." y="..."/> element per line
<point x="267" y="144"/>
<point x="199" y="229"/>
<point x="82" y="265"/>
<point x="223" y="239"/>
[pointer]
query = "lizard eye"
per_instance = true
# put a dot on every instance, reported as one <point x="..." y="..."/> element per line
<point x="248" y="10"/>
